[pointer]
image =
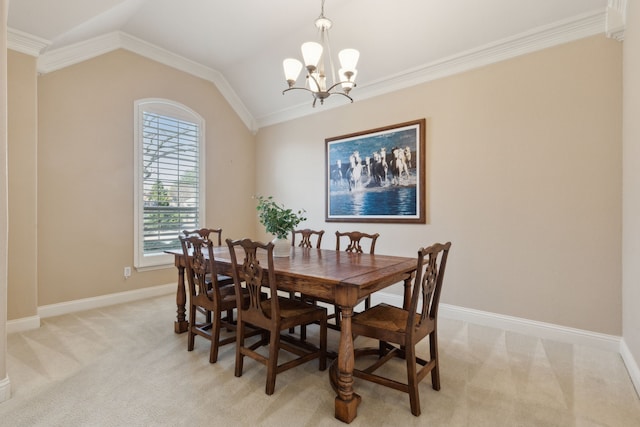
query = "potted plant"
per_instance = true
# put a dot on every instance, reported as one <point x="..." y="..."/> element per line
<point x="278" y="221"/>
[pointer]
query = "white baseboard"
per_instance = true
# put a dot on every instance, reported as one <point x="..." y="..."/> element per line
<point x="631" y="364"/>
<point x="519" y="325"/>
<point x="23" y="324"/>
<point x="5" y="389"/>
<point x="534" y="328"/>
<point x="104" y="300"/>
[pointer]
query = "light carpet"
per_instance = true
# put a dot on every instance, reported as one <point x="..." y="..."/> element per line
<point x="124" y="366"/>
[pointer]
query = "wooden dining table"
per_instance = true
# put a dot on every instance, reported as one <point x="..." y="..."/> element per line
<point x="340" y="278"/>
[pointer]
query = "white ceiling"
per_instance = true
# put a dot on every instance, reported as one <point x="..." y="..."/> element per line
<point x="240" y="44"/>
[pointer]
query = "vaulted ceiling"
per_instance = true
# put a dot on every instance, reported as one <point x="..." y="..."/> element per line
<point x="240" y="44"/>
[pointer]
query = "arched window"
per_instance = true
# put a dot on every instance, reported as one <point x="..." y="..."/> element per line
<point x="169" y="178"/>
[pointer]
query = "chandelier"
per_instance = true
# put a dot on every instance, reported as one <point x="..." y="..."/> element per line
<point x="320" y="79"/>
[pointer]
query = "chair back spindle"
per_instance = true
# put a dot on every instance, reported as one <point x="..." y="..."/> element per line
<point x="255" y="276"/>
<point x="200" y="262"/>
<point x="427" y="286"/>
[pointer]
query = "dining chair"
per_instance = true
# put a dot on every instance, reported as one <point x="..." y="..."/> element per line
<point x="223" y="280"/>
<point x="355" y="237"/>
<point x="354" y="246"/>
<point x="271" y="313"/>
<point x="205" y="233"/>
<point x="306" y="238"/>
<point x="399" y="330"/>
<point x="306" y="241"/>
<point x="206" y="295"/>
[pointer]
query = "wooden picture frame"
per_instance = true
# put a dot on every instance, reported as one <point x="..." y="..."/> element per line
<point x="377" y="175"/>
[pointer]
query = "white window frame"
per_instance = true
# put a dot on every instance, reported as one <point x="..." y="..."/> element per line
<point x="142" y="261"/>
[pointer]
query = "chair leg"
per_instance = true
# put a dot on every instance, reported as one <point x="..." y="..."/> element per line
<point x="367" y="303"/>
<point x="229" y="319"/>
<point x="272" y="363"/>
<point x="336" y="310"/>
<point x="292" y="295"/>
<point x="215" y="337"/>
<point x="382" y="348"/>
<point x="412" y="380"/>
<point x="239" y="345"/>
<point x="322" y="363"/>
<point x="433" y="349"/>
<point x="191" y="336"/>
<point x="303" y="328"/>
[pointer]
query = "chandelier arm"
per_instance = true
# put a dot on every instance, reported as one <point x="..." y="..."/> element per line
<point x="295" y="87"/>
<point x="317" y="83"/>
<point x="343" y="94"/>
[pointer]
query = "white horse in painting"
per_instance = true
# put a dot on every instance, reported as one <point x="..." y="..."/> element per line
<point x="399" y="165"/>
<point x="354" y="175"/>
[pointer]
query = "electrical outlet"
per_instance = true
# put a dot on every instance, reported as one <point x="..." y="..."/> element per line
<point x="127" y="272"/>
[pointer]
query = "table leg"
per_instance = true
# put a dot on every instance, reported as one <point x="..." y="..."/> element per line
<point x="346" y="402"/>
<point x="181" y="325"/>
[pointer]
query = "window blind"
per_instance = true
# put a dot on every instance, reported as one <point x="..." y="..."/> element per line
<point x="170" y="180"/>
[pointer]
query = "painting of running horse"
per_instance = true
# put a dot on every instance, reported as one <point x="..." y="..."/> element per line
<point x="377" y="175"/>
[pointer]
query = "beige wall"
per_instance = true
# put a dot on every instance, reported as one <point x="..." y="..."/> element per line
<point x="23" y="144"/>
<point x="631" y="184"/>
<point x="523" y="176"/>
<point x="85" y="171"/>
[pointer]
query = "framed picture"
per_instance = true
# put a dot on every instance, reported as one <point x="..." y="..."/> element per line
<point x="377" y="175"/>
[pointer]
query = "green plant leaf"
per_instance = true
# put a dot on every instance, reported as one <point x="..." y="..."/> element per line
<point x="277" y="219"/>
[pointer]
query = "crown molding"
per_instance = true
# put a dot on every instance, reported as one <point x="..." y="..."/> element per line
<point x="543" y="37"/>
<point x="557" y="33"/>
<point x="616" y="23"/>
<point x="170" y="59"/>
<point x="69" y="55"/>
<point x="26" y="43"/>
<point x="57" y="59"/>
